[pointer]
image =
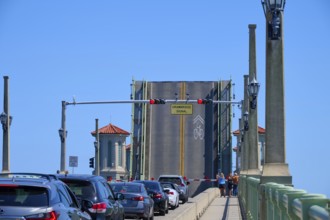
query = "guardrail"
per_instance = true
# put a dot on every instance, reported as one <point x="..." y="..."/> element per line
<point x="282" y="202"/>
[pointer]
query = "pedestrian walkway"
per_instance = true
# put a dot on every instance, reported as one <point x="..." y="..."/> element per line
<point x="223" y="208"/>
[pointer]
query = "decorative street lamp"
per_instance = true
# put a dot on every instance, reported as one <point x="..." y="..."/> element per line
<point x="246" y="120"/>
<point x="61" y="133"/>
<point x="273" y="7"/>
<point x="275" y="168"/>
<point x="4" y="120"/>
<point x="253" y="90"/>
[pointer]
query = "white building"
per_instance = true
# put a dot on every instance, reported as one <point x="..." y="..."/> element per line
<point x="112" y="152"/>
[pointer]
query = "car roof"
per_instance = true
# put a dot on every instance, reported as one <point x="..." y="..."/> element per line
<point x="170" y="175"/>
<point x="126" y="183"/>
<point x="28" y="179"/>
<point x="87" y="177"/>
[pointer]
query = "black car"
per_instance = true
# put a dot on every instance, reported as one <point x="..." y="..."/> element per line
<point x="157" y="193"/>
<point x="95" y="189"/>
<point x="137" y="203"/>
<point x="39" y="196"/>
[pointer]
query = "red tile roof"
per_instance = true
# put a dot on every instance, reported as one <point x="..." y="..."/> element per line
<point x="260" y="131"/>
<point x="111" y="129"/>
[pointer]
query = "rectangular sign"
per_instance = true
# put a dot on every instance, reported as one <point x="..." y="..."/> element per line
<point x="73" y="161"/>
<point x="181" y="109"/>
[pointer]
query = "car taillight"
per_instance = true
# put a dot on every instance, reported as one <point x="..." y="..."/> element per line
<point x="43" y="216"/>
<point x="158" y="196"/>
<point x="171" y="193"/>
<point x="98" y="208"/>
<point x="138" y="198"/>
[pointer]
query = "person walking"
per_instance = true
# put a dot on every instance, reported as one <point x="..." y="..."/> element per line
<point x="230" y="184"/>
<point x="235" y="184"/>
<point x="222" y="184"/>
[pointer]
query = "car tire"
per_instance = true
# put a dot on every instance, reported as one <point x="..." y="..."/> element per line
<point x="167" y="208"/>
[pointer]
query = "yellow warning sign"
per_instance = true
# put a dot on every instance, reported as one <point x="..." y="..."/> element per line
<point x="181" y="109"/>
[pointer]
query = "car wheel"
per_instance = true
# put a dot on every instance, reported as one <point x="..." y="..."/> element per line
<point x="166" y="208"/>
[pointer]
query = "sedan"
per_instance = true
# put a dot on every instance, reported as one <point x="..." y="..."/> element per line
<point x="137" y="203"/>
<point x="158" y="194"/>
<point x="173" y="193"/>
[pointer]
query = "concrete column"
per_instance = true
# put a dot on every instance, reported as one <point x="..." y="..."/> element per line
<point x="6" y="128"/>
<point x="245" y="107"/>
<point x="253" y="166"/>
<point x="97" y="148"/>
<point x="63" y="139"/>
<point x="275" y="168"/>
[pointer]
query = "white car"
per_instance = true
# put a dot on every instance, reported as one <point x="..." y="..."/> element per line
<point x="172" y="190"/>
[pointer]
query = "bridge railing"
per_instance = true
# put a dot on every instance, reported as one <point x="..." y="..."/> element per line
<point x="282" y="202"/>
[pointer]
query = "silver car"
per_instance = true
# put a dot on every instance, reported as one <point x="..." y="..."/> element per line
<point x="38" y="196"/>
<point x="180" y="181"/>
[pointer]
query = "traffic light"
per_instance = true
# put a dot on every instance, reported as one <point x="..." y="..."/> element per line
<point x="157" y="101"/>
<point x="204" y="101"/>
<point x="91" y="162"/>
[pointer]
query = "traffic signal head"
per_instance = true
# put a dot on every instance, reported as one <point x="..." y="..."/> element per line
<point x="204" y="101"/>
<point x="157" y="101"/>
<point x="91" y="162"/>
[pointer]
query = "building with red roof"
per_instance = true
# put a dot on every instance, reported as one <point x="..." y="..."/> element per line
<point x="112" y="152"/>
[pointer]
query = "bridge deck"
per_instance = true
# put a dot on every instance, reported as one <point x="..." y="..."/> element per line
<point x="223" y="208"/>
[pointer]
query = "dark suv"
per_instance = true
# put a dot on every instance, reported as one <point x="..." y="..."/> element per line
<point x="38" y="196"/>
<point x="95" y="189"/>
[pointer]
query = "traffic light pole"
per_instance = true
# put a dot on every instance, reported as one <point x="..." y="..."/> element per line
<point x="150" y="101"/>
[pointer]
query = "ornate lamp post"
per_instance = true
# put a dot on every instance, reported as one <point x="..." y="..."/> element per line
<point x="275" y="168"/>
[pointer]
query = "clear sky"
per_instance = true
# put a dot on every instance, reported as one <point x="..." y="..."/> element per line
<point x="91" y="50"/>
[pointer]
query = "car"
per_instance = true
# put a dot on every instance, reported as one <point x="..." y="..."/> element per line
<point x="137" y="203"/>
<point x="158" y="194"/>
<point x="180" y="181"/>
<point x="173" y="193"/>
<point x="39" y="196"/>
<point x="105" y="205"/>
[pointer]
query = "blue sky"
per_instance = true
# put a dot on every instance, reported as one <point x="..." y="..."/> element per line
<point x="91" y="50"/>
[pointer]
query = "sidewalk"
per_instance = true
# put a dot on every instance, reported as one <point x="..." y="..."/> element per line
<point x="223" y="208"/>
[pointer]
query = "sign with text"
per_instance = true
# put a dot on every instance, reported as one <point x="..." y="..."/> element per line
<point x="181" y="109"/>
<point x="73" y="161"/>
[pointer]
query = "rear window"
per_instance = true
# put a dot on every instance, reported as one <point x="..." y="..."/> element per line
<point x="82" y="189"/>
<point x="176" y="180"/>
<point x="28" y="196"/>
<point x="126" y="188"/>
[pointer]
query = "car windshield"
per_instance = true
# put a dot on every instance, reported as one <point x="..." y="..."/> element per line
<point x="29" y="196"/>
<point x="126" y="188"/>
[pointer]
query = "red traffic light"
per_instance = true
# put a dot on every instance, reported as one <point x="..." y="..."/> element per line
<point x="157" y="101"/>
<point x="203" y="101"/>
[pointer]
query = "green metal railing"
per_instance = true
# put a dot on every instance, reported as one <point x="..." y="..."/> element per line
<point x="281" y="202"/>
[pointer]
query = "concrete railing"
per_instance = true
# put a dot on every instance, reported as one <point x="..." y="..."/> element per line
<point x="197" y="205"/>
<point x="282" y="202"/>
